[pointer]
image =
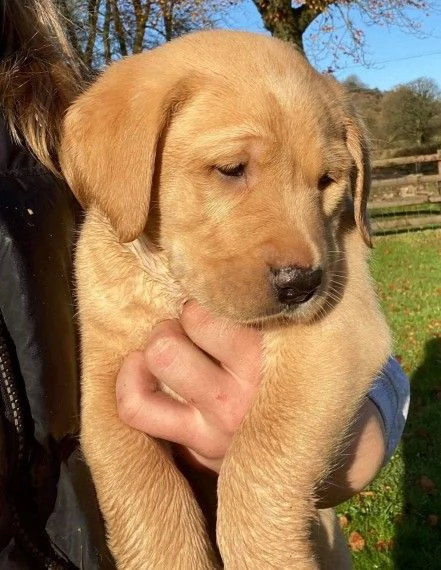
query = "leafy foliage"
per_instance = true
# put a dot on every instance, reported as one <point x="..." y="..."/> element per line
<point x="412" y="112"/>
<point x="408" y="115"/>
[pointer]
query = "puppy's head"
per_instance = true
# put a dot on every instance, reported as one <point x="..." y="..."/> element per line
<point x="250" y="157"/>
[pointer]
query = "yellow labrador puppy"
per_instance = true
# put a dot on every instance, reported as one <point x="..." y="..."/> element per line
<point x="221" y="167"/>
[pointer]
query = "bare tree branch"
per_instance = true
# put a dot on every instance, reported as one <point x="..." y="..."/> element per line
<point x="106" y="33"/>
<point x="335" y="31"/>
<point x="92" y="14"/>
<point x="119" y="27"/>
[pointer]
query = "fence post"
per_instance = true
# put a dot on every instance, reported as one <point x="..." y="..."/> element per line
<point x="438" y="152"/>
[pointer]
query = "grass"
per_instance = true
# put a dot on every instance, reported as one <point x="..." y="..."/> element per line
<point x="399" y="517"/>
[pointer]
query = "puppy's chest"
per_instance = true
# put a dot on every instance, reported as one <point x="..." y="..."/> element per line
<point x="123" y="291"/>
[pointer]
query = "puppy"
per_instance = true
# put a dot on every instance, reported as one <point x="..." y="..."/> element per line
<point x="221" y="167"/>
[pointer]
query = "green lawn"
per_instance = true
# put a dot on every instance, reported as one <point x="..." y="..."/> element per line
<point x="399" y="517"/>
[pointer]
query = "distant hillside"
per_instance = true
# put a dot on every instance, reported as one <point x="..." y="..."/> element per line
<point x="404" y="120"/>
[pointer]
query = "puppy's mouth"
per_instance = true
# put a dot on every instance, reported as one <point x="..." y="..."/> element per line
<point x="300" y="308"/>
<point x="293" y="306"/>
<point x="290" y="294"/>
<point x="299" y="298"/>
<point x="292" y="299"/>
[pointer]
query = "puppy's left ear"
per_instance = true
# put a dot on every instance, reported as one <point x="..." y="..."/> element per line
<point x="356" y="141"/>
<point x="357" y="144"/>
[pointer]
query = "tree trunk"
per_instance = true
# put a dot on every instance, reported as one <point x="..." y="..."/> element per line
<point x="119" y="29"/>
<point x="142" y="14"/>
<point x="167" y="18"/>
<point x="288" y="23"/>
<point x="106" y="33"/>
<point x="92" y="15"/>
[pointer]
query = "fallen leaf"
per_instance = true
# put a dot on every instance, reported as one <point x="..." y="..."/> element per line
<point x="367" y="493"/>
<point x="432" y="520"/>
<point x="427" y="484"/>
<point x="384" y="545"/>
<point x="356" y="541"/>
<point x="343" y="521"/>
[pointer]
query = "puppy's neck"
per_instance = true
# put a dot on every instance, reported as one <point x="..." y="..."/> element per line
<point x="154" y="262"/>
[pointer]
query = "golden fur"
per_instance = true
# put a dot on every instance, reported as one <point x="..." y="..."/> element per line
<point x="142" y="150"/>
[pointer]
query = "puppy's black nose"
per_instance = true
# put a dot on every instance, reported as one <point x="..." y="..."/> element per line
<point x="295" y="285"/>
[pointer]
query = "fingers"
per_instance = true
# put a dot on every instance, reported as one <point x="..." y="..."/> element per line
<point x="237" y="348"/>
<point x="142" y="406"/>
<point x="175" y="360"/>
<point x="215" y="396"/>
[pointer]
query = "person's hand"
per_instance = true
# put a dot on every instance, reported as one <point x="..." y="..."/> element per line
<point x="213" y="365"/>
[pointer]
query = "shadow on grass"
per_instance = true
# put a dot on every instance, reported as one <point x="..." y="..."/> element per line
<point x="418" y="530"/>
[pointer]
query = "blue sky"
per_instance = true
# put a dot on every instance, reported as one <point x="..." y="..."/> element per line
<point x="395" y="56"/>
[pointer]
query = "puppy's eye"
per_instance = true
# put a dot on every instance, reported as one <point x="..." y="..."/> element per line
<point x="324" y="181"/>
<point x="232" y="170"/>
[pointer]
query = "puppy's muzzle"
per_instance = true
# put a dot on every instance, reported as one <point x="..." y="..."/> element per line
<point x="295" y="285"/>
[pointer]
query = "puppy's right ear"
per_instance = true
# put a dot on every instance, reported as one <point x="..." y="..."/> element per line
<point x="110" y="139"/>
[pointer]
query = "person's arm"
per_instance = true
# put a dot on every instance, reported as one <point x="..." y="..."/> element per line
<point x="360" y="459"/>
<point x="373" y="438"/>
<point x="214" y="366"/>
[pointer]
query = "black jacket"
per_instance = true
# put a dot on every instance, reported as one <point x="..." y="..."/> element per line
<point x="48" y="512"/>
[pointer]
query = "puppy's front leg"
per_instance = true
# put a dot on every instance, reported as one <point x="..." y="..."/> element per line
<point x="265" y="486"/>
<point x="312" y="385"/>
<point x="152" y="519"/>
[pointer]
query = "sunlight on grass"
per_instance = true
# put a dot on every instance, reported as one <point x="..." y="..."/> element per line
<point x="399" y="517"/>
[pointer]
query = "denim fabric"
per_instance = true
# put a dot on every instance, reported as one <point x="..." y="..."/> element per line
<point x="391" y="394"/>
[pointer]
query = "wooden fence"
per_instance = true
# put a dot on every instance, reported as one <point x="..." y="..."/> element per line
<point x="403" y="203"/>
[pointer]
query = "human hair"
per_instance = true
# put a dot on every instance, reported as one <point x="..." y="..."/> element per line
<point x="40" y="74"/>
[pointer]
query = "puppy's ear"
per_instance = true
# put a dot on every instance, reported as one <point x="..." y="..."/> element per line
<point x="110" y="139"/>
<point x="357" y="144"/>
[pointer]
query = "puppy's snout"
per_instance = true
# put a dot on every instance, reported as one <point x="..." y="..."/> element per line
<point x="294" y="285"/>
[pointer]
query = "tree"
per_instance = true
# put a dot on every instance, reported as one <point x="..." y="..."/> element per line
<point x="367" y="101"/>
<point x="104" y="30"/>
<point x="337" y="34"/>
<point x="411" y="113"/>
<point x="354" y="84"/>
